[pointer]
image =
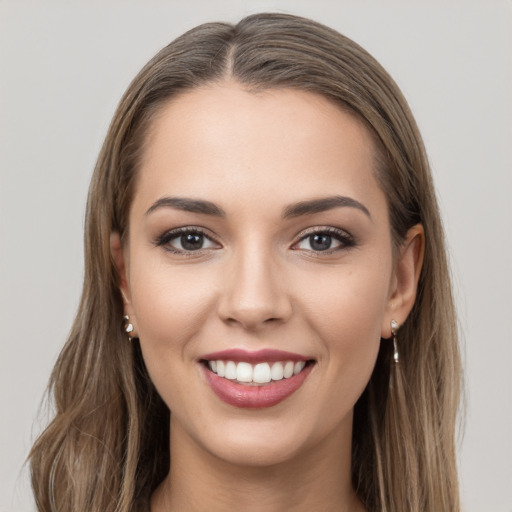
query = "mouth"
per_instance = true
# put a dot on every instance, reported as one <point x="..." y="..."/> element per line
<point x="256" y="374"/>
<point x="255" y="379"/>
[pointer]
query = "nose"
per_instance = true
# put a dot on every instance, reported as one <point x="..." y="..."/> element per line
<point x="255" y="295"/>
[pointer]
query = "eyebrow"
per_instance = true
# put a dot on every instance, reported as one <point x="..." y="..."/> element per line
<point x="188" y="205"/>
<point x="322" y="205"/>
<point x="294" y="210"/>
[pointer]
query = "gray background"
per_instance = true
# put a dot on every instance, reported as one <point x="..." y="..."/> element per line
<point x="64" y="66"/>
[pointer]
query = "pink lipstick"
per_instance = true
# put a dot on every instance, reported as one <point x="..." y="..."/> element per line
<point x="255" y="379"/>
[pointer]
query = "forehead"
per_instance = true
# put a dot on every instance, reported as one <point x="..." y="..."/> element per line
<point x="223" y="140"/>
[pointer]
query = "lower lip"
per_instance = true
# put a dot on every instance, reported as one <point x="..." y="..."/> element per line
<point x="255" y="397"/>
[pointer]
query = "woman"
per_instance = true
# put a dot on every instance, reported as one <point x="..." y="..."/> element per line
<point x="266" y="318"/>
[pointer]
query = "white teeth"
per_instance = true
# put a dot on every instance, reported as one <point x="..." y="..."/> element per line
<point x="277" y="371"/>
<point x="287" y="371"/>
<point x="230" y="370"/>
<point x="244" y="372"/>
<point x="298" y="367"/>
<point x="260" y="373"/>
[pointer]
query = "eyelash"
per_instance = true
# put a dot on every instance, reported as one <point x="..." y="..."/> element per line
<point x="164" y="240"/>
<point x="346" y="240"/>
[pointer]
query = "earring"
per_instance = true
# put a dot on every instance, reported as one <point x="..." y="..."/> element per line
<point x="128" y="326"/>
<point x="394" y="330"/>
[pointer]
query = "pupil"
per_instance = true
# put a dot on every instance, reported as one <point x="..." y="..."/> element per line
<point x="320" y="242"/>
<point x="191" y="241"/>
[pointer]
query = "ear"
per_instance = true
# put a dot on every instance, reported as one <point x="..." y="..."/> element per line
<point x="404" y="283"/>
<point x="121" y="263"/>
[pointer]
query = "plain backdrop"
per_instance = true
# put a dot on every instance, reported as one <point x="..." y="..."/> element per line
<point x="64" y="66"/>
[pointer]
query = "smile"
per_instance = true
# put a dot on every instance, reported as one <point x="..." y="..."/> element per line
<point x="261" y="373"/>
<point x="255" y="379"/>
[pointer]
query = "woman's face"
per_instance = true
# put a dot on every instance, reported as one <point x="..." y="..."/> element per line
<point x="258" y="239"/>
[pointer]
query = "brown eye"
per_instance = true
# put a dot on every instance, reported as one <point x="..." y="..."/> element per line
<point x="319" y="242"/>
<point x="186" y="240"/>
<point x="191" y="241"/>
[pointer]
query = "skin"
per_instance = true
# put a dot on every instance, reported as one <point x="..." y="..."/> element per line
<point x="260" y="284"/>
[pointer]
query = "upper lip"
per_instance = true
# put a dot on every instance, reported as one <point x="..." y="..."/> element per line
<point x="254" y="357"/>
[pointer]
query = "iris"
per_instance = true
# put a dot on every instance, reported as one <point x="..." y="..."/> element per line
<point x="320" y="241"/>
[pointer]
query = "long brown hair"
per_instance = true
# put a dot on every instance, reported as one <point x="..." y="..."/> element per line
<point x="108" y="445"/>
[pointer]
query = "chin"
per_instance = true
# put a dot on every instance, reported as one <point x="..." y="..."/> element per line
<point x="272" y="439"/>
<point x="263" y="449"/>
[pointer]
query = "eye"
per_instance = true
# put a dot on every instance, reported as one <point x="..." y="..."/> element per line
<point x="325" y="240"/>
<point x="186" y="240"/>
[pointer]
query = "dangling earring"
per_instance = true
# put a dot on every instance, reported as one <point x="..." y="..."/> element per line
<point x="394" y="330"/>
<point x="128" y="326"/>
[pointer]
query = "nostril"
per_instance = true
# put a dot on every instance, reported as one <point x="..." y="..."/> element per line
<point x="253" y="298"/>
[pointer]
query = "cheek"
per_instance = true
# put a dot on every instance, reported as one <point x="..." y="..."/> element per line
<point x="345" y="310"/>
<point x="345" y="301"/>
<point x="169" y="301"/>
<point x="171" y="307"/>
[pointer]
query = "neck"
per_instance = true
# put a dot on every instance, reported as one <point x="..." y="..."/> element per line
<point x="320" y="479"/>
